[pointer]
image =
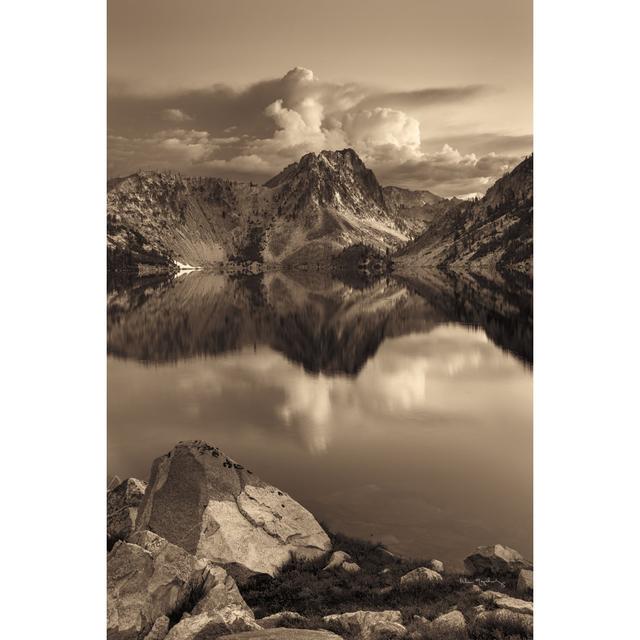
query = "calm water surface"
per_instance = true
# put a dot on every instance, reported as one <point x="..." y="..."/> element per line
<point x="400" y="412"/>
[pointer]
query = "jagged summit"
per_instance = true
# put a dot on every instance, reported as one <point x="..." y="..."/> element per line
<point x="334" y="177"/>
<point x="337" y="179"/>
<point x="344" y="159"/>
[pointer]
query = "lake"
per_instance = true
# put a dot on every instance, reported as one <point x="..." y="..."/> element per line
<point x="398" y="410"/>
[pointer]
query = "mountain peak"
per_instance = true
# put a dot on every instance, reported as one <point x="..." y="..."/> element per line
<point x="332" y="161"/>
<point x="331" y="178"/>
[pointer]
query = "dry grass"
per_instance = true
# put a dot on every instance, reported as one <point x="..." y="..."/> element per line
<point x="305" y="588"/>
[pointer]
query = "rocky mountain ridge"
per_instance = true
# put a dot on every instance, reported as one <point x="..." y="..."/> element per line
<point x="492" y="233"/>
<point x="303" y="216"/>
<point x="310" y="215"/>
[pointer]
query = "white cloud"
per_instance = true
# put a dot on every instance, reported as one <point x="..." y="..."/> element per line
<point x="299" y="113"/>
<point x="369" y="130"/>
<point x="175" y="115"/>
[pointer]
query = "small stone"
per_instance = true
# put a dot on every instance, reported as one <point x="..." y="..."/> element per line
<point x="421" y="575"/>
<point x="350" y="567"/>
<point x="503" y="618"/>
<point x="495" y="559"/>
<point x="503" y="601"/>
<point x="369" y="625"/>
<point x="276" y="619"/>
<point x="337" y="559"/>
<point x="452" y="622"/>
<point x="437" y="565"/>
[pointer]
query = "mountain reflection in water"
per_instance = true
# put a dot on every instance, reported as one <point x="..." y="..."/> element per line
<point x="399" y="411"/>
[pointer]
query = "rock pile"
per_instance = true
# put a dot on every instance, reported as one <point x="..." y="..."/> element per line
<point x="200" y="512"/>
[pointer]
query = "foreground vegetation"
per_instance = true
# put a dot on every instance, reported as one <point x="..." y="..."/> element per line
<point x="303" y="587"/>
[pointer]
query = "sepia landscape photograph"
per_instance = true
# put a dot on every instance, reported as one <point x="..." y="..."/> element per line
<point x="319" y="245"/>
<point x="315" y="408"/>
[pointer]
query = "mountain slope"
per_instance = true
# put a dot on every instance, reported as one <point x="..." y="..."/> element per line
<point x="413" y="210"/>
<point x="495" y="232"/>
<point x="159" y="218"/>
<point x="302" y="217"/>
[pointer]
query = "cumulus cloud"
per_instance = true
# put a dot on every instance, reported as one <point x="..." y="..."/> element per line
<point x="175" y="115"/>
<point x="382" y="129"/>
<point x="252" y="133"/>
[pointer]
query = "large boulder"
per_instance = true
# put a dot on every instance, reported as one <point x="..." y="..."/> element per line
<point x="148" y="578"/>
<point x="495" y="559"/>
<point x="214" y="508"/>
<point x="282" y="634"/>
<point x="122" y="508"/>
<point x="368" y="625"/>
<point x="421" y="575"/>
<point x="525" y="582"/>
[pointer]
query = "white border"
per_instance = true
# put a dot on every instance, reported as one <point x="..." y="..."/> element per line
<point x="53" y="471"/>
<point x="586" y="313"/>
<point x="586" y="381"/>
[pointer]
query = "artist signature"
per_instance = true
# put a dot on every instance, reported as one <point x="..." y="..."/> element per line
<point x="482" y="581"/>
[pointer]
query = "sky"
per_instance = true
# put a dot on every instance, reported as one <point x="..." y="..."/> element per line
<point x="433" y="94"/>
